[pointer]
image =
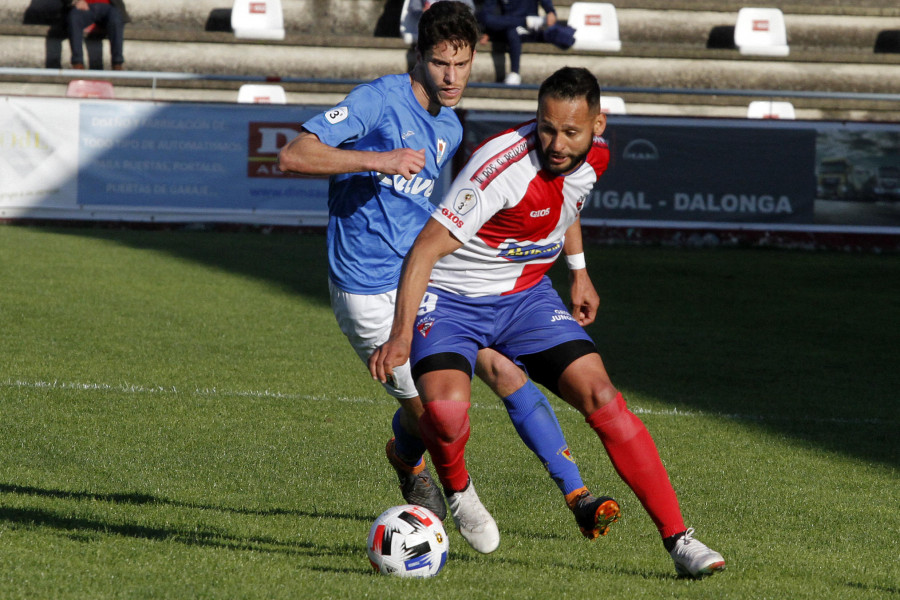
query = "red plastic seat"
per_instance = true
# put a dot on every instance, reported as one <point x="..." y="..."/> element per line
<point x="89" y="88"/>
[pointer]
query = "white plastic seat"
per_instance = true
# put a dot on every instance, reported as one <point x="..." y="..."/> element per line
<point x="89" y="88"/>
<point x="761" y="31"/>
<point x="770" y="109"/>
<point x="596" y="26"/>
<point x="251" y="93"/>
<point x="409" y="24"/>
<point x="612" y="105"/>
<point x="257" y="19"/>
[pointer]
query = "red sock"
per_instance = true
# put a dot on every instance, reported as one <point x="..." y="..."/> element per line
<point x="445" y="430"/>
<point x="636" y="459"/>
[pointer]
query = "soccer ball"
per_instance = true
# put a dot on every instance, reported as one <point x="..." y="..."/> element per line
<point x="408" y="541"/>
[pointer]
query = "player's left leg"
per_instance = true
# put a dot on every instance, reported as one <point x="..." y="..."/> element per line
<point x="585" y="384"/>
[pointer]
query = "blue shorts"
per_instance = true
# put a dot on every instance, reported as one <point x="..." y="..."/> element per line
<point x="519" y="324"/>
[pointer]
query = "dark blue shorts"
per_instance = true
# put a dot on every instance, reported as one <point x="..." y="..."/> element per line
<point x="524" y="323"/>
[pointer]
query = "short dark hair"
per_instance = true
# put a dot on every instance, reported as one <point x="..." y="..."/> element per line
<point x="447" y="21"/>
<point x="572" y="83"/>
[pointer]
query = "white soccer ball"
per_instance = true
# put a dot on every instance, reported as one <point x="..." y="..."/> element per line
<point x="408" y="541"/>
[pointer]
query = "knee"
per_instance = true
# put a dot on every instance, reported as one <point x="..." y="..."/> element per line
<point x="446" y="420"/>
<point x="499" y="373"/>
<point x="592" y="398"/>
<point x="602" y="393"/>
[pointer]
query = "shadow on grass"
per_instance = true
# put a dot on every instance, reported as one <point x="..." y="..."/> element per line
<point x="140" y="499"/>
<point x="295" y="261"/>
<point x="90" y="529"/>
<point x="795" y="343"/>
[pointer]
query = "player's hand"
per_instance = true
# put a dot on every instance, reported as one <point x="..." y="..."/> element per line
<point x="402" y="161"/>
<point x="551" y="19"/>
<point x="392" y="353"/>
<point x="585" y="301"/>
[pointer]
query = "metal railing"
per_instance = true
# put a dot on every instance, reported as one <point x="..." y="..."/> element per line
<point x="155" y="76"/>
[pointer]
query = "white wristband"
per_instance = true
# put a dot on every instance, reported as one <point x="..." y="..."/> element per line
<point x="576" y="261"/>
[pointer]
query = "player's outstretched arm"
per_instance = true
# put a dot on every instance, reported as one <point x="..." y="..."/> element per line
<point x="585" y="301"/>
<point x="307" y="155"/>
<point x="433" y="242"/>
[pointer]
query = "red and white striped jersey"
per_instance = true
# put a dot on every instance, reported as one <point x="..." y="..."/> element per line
<point x="510" y="214"/>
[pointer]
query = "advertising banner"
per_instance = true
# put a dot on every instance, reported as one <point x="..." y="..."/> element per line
<point x="67" y="158"/>
<point x="767" y="174"/>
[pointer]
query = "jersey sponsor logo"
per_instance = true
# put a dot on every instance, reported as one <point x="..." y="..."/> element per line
<point x="465" y="201"/>
<point x="408" y="134"/>
<point x="453" y="218"/>
<point x="423" y="325"/>
<point x="441" y="148"/>
<point x="337" y="114"/>
<point x="501" y="161"/>
<point x="531" y="252"/>
<point x="414" y="187"/>
<point x="535" y="214"/>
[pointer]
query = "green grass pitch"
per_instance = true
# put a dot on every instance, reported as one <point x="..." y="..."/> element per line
<point x="181" y="418"/>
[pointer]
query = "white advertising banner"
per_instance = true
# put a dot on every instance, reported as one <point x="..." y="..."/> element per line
<point x="65" y="158"/>
<point x="38" y="154"/>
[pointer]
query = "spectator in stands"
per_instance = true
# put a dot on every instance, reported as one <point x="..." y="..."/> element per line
<point x="108" y="14"/>
<point x="512" y="22"/>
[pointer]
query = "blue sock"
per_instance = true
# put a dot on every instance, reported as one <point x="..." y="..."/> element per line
<point x="537" y="425"/>
<point x="408" y="447"/>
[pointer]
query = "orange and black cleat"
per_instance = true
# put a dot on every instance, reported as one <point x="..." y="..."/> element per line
<point x="594" y="515"/>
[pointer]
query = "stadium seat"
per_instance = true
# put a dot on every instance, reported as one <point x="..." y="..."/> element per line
<point x="761" y="31"/>
<point x="612" y="105"/>
<point x="409" y="24"/>
<point x="251" y="93"/>
<point x="769" y="109"/>
<point x="257" y="19"/>
<point x="596" y="26"/>
<point x="89" y="88"/>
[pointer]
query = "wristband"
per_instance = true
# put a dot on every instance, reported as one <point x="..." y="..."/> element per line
<point x="576" y="261"/>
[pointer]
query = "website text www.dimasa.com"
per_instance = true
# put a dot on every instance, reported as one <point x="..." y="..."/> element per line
<point x="279" y="193"/>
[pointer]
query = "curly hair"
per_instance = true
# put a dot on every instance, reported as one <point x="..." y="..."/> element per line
<point x="447" y="21"/>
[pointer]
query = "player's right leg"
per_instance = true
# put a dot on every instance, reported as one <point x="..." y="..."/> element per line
<point x="366" y="322"/>
<point x="443" y="359"/>
<point x="445" y="431"/>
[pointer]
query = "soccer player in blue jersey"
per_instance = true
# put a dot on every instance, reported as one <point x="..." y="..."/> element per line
<point x="384" y="146"/>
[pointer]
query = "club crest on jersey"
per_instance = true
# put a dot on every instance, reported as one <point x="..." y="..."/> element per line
<point x="465" y="201"/>
<point x="336" y="114"/>
<point x="580" y="203"/>
<point x="423" y="326"/>
<point x="441" y="148"/>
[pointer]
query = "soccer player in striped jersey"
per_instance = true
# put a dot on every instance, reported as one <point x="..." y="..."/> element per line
<point x="384" y="146"/>
<point x="476" y="277"/>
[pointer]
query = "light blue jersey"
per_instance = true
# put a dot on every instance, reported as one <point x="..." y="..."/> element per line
<point x="374" y="218"/>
